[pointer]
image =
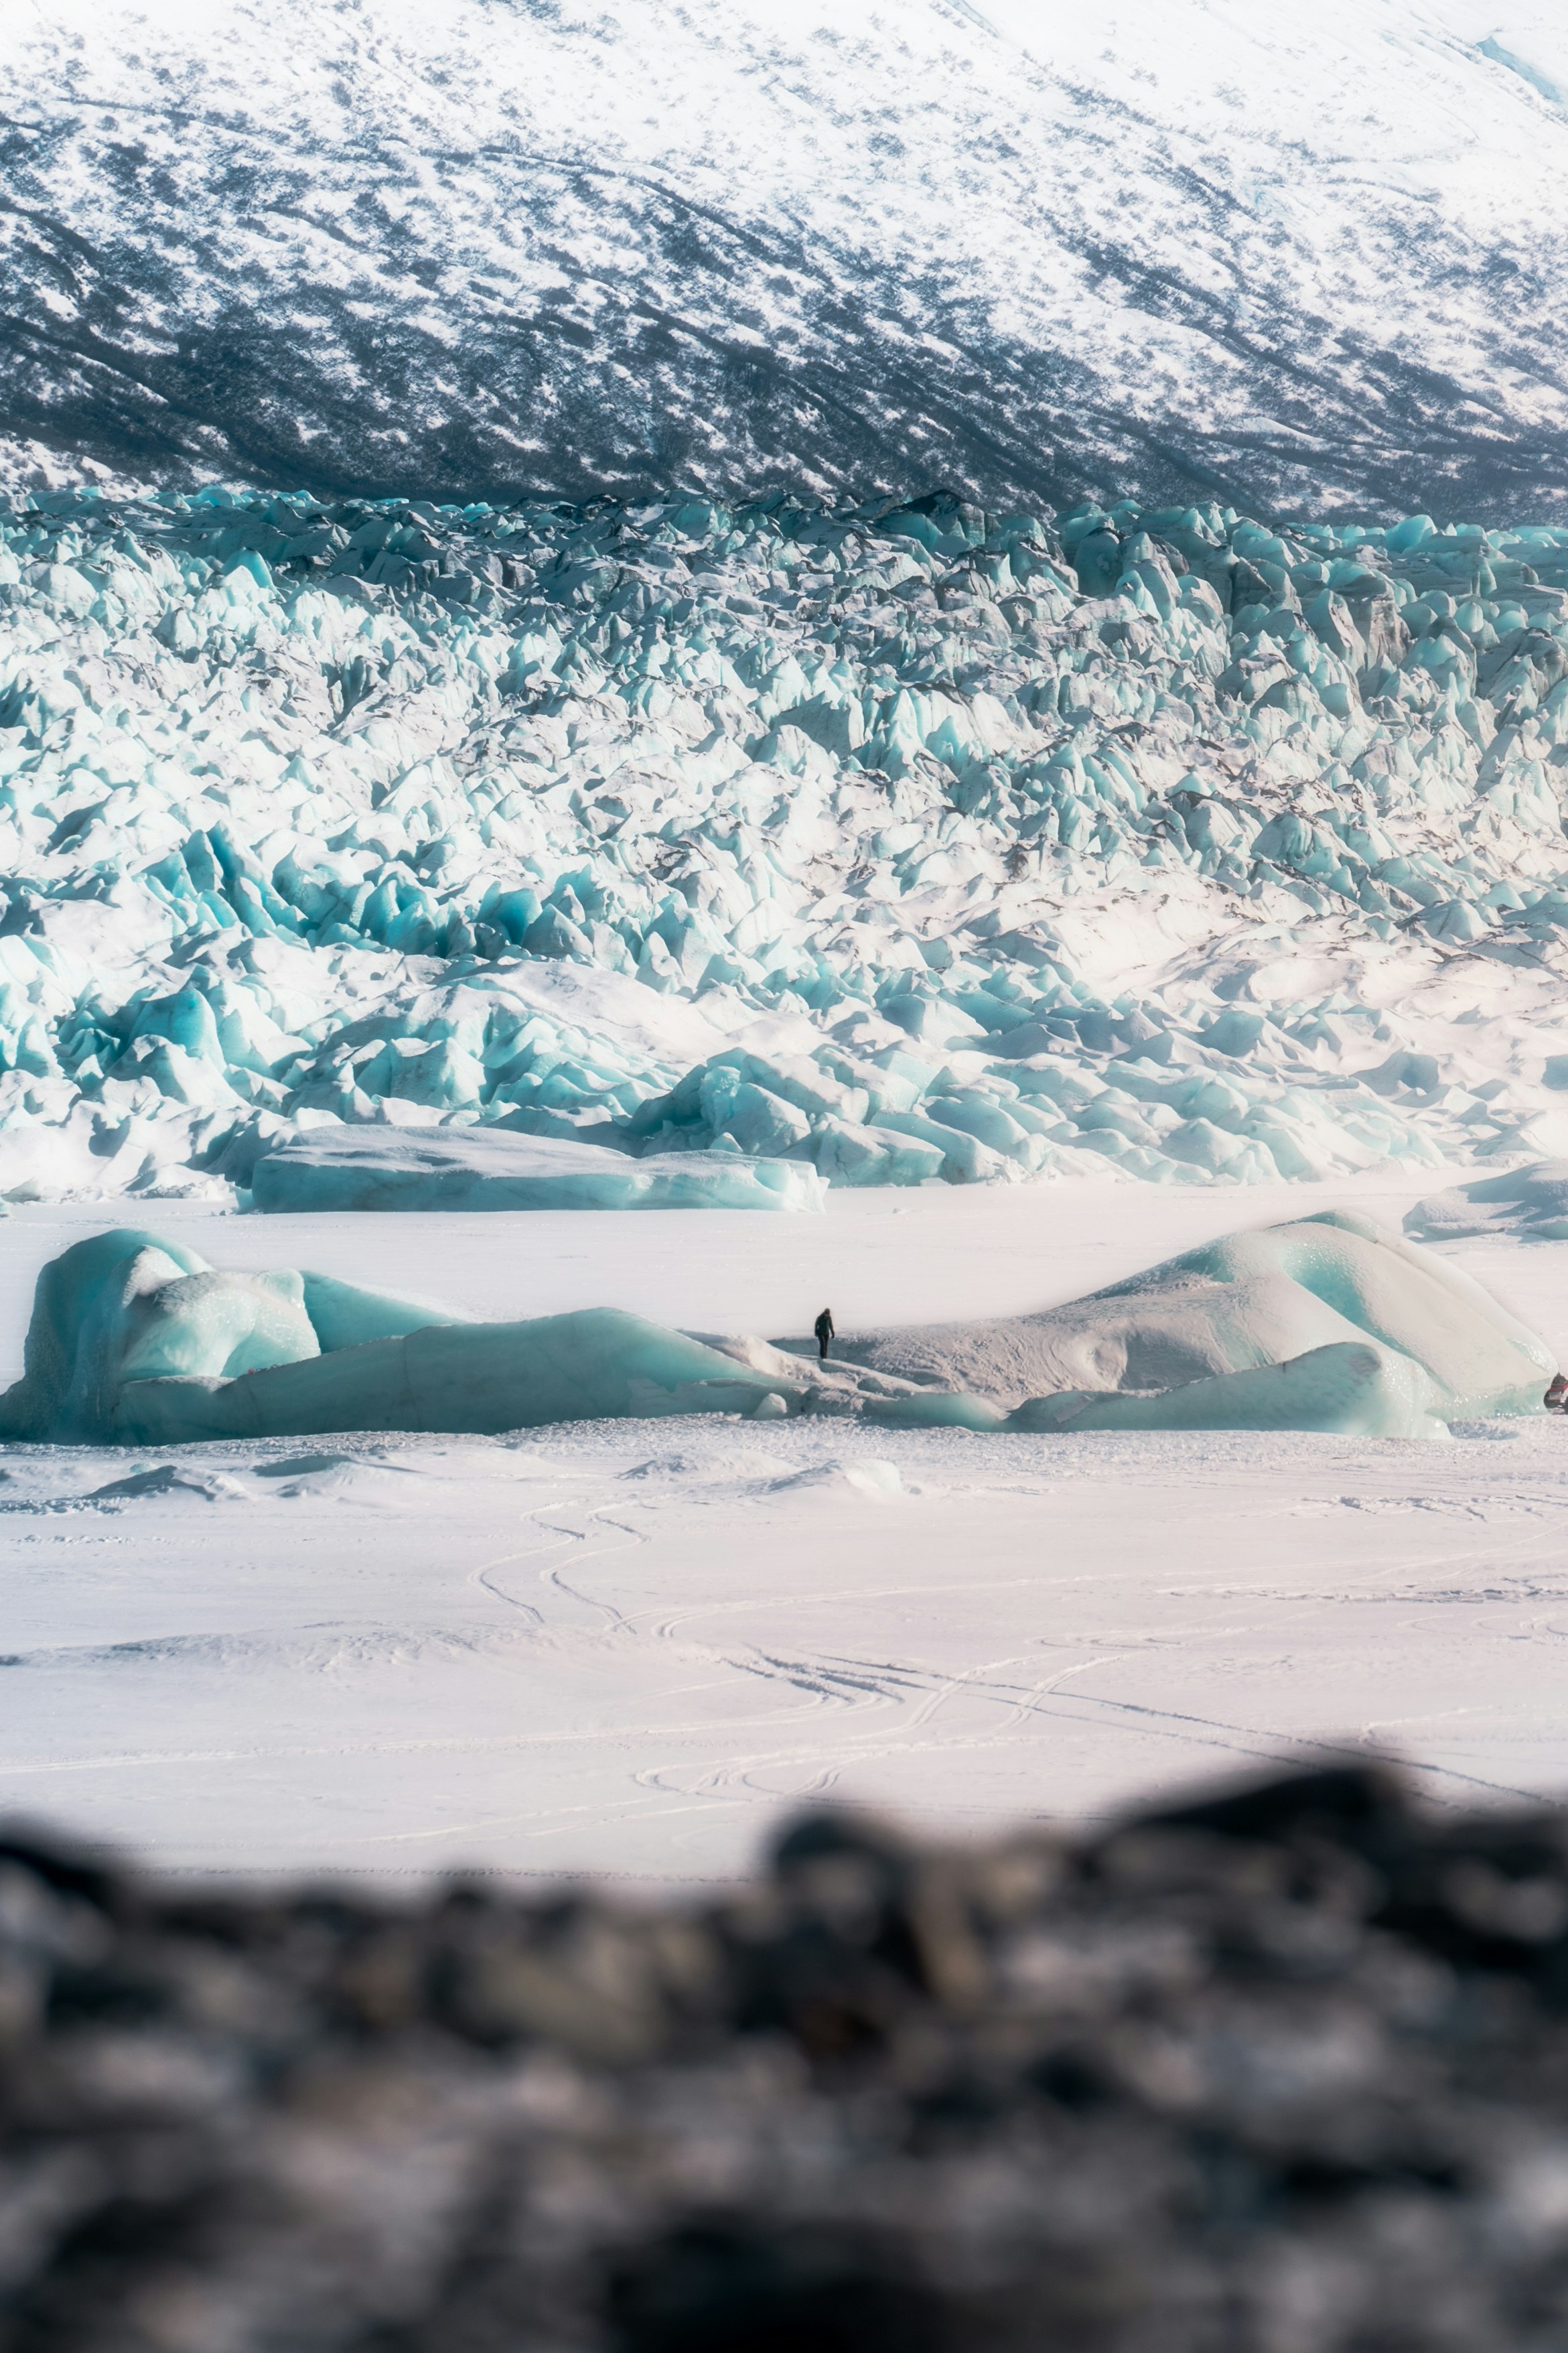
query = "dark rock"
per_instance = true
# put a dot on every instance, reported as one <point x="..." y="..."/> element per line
<point x="1282" y="2068"/>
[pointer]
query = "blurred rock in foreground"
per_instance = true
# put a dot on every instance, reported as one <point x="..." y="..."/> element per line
<point x="1284" y="2070"/>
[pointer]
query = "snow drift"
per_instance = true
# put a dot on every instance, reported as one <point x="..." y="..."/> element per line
<point x="1531" y="1203"/>
<point x="1325" y="1324"/>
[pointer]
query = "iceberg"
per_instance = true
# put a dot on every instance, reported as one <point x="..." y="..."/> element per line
<point x="135" y="1341"/>
<point x="465" y="1169"/>
<point x="1327" y="1323"/>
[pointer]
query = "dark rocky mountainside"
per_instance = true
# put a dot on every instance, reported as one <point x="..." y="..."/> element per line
<point x="511" y="246"/>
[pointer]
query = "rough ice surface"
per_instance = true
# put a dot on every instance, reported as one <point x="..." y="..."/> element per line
<point x="1328" y="1323"/>
<point x="331" y="1169"/>
<point x="899" y="843"/>
<point x="1529" y="1202"/>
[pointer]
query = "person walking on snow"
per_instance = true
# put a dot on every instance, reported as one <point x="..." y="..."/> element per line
<point x="823" y="1327"/>
<point x="1557" y="1395"/>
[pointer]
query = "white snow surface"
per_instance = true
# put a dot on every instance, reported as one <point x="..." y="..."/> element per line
<point x="631" y="1649"/>
<point x="1302" y="256"/>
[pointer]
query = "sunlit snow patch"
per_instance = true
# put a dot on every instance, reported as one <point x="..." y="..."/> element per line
<point x="867" y="1475"/>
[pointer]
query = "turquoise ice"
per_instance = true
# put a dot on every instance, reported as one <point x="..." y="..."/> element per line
<point x="887" y="846"/>
<point x="1328" y="1323"/>
<point x="388" y="1168"/>
<point x="136" y="1341"/>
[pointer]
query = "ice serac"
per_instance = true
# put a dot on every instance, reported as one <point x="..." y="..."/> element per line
<point x="889" y="843"/>
<point x="133" y="1341"/>
<point x="1324" y="1324"/>
<point x="377" y="1167"/>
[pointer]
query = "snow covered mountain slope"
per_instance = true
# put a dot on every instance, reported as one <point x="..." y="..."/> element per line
<point x="905" y="841"/>
<point x="1024" y="250"/>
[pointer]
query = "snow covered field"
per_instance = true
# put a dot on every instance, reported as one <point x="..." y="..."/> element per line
<point x="624" y="1647"/>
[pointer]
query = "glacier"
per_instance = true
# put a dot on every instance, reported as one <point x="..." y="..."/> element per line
<point x="1324" y="1324"/>
<point x="891" y="842"/>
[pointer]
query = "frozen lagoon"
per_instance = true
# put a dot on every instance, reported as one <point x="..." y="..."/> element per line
<point x="622" y="1647"/>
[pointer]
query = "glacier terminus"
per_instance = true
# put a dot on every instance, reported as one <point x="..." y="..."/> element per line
<point x="897" y="842"/>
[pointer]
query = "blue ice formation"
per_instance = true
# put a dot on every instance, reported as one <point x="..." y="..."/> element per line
<point x="135" y="1341"/>
<point x="895" y="842"/>
<point x="379" y="1167"/>
<point x="1324" y="1324"/>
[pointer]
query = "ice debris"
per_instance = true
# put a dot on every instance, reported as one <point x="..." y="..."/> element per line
<point x="485" y="1168"/>
<point x="1328" y="1323"/>
<point x="901" y="842"/>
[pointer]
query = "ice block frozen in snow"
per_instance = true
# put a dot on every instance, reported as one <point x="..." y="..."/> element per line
<point x="1532" y="1202"/>
<point x="1350" y="1386"/>
<point x="376" y="1168"/>
<point x="1326" y="1325"/>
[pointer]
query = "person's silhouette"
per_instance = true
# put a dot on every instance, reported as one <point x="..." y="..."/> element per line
<point x="823" y="1327"/>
